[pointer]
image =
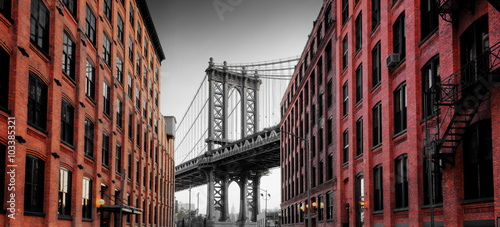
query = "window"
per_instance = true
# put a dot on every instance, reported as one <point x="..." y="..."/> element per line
<point x="68" y="59"/>
<point x="377" y="124"/>
<point x="375" y="13"/>
<point x="329" y="93"/>
<point x="39" y="25"/>
<point x="137" y="171"/>
<point x="131" y="15"/>
<point x="430" y="77"/>
<point x="144" y="173"/>
<point x="399" y="36"/>
<point x="330" y="167"/>
<point x="139" y="35"/>
<point x="90" y="26"/>
<point x="138" y="65"/>
<point x="106" y="49"/>
<point x="437" y="182"/>
<point x="376" y="75"/>
<point x="130" y="49"/>
<point x="130" y="86"/>
<point x="89" y="138"/>
<point x="119" y="26"/>
<point x="129" y="204"/>
<point x="64" y="192"/>
<point x="345" y="11"/>
<point x="3" y="156"/>
<point x="478" y="161"/>
<point x="359" y="29"/>
<point x="321" y="171"/>
<point x="359" y="137"/>
<point x="345" y="98"/>
<point x="90" y="80"/>
<point x="428" y="17"/>
<point x="401" y="175"/>
<point x="320" y="105"/>
<point x="105" y="149"/>
<point x="37" y="102"/>
<point x="119" y="113"/>
<point x="108" y="9"/>
<point x="378" y="197"/>
<point x="4" y="76"/>
<point x="5" y="7"/>
<point x="119" y="69"/>
<point x="329" y="205"/>
<point x="106" y="105"/>
<point x="359" y="83"/>
<point x="138" y="134"/>
<point x="360" y="200"/>
<point x="330" y="131"/>
<point x="67" y="113"/>
<point x="329" y="60"/>
<point x="344" y="53"/>
<point x="130" y="120"/>
<point x="129" y="167"/>
<point x="321" y="209"/>
<point x="87" y="198"/>
<point x="34" y="184"/>
<point x="345" y="149"/>
<point x="400" y="108"/>
<point x="118" y="163"/>
<point x="146" y="48"/>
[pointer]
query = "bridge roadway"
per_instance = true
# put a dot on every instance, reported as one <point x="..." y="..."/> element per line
<point x="258" y="153"/>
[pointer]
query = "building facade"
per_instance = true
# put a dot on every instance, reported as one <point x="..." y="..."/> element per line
<point x="81" y="136"/>
<point x="394" y="106"/>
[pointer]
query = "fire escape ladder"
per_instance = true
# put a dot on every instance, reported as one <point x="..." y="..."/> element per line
<point x="458" y="94"/>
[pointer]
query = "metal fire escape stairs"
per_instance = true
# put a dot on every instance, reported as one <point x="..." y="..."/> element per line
<point x="458" y="95"/>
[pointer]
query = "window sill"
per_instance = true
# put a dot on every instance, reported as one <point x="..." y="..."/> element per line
<point x="68" y="144"/>
<point x="105" y="166"/>
<point x="429" y="206"/>
<point x="64" y="217"/>
<point x="36" y="214"/>
<point x="5" y="110"/>
<point x="358" y="156"/>
<point x="38" y="128"/>
<point x="428" y="37"/>
<point x="378" y="212"/>
<point x="345" y="164"/>
<point x="87" y="219"/>
<point x="376" y="146"/>
<point x="41" y="51"/>
<point x="72" y="80"/>
<point x="400" y="209"/>
<point x="480" y="200"/>
<point x="399" y="134"/>
<point x="395" y="68"/>
<point x="375" y="28"/>
<point x="89" y="157"/>
<point x="375" y="86"/>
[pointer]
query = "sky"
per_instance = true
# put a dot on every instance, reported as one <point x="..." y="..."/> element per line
<point x="236" y="31"/>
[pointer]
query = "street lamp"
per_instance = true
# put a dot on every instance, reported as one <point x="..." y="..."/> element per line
<point x="308" y="166"/>
<point x="266" y="199"/>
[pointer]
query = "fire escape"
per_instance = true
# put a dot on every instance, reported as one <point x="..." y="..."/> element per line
<point x="460" y="94"/>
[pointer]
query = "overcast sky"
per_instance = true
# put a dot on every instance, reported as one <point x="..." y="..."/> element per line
<point x="236" y="31"/>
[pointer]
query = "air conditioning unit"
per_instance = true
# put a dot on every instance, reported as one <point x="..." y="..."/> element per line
<point x="392" y="60"/>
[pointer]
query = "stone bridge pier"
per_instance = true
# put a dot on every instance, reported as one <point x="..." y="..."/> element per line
<point x="217" y="201"/>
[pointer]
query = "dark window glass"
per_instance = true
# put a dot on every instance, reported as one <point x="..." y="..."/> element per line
<point x="144" y="178"/>
<point x="139" y="33"/>
<point x="106" y="99"/>
<point x="330" y="131"/>
<point x="329" y="93"/>
<point x="39" y="25"/>
<point x="330" y="167"/>
<point x="359" y="29"/>
<point x="329" y="206"/>
<point x="37" y="102"/>
<point x="344" y="53"/>
<point x="428" y="17"/>
<point x="400" y="108"/>
<point x="106" y="49"/>
<point x="131" y="49"/>
<point x="129" y="168"/>
<point x="130" y="86"/>
<point x="34" y="184"/>
<point x="376" y="75"/>
<point x="4" y="78"/>
<point x="399" y="36"/>
<point x="89" y="138"/>
<point x="329" y="60"/>
<point x="90" y="80"/>
<point x="64" y="204"/>
<point x="378" y="197"/>
<point x="359" y="83"/>
<point x="119" y="69"/>
<point x="320" y="105"/>
<point x="105" y="149"/>
<point x="68" y="59"/>
<point x="87" y="199"/>
<point x="130" y="122"/>
<point x="137" y="172"/>
<point x="345" y="99"/>
<point x="138" y="65"/>
<point x="5" y="7"/>
<point x="67" y="113"/>
<point x="377" y="124"/>
<point x="359" y="137"/>
<point x="119" y="113"/>
<point x="71" y="6"/>
<point x="430" y="77"/>
<point x="90" y="25"/>
<point x="401" y="175"/>
<point x="319" y="70"/>
<point x="118" y="163"/>
<point x="345" y="148"/>
<point x="138" y="134"/>
<point x="375" y="13"/>
<point x="131" y="15"/>
<point x="321" y="209"/>
<point x="146" y="48"/>
<point x="345" y="11"/>
<point x="478" y="161"/>
<point x="108" y="9"/>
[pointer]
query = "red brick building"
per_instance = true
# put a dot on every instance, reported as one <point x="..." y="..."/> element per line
<point x="80" y="81"/>
<point x="382" y="87"/>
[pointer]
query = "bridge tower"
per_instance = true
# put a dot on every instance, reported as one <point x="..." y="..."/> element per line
<point x="221" y="81"/>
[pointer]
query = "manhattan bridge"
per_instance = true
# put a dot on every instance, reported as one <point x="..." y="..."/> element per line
<point x="230" y="133"/>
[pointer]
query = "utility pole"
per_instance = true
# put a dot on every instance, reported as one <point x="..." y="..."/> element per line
<point x="266" y="199"/>
<point x="189" y="212"/>
<point x="198" y="203"/>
